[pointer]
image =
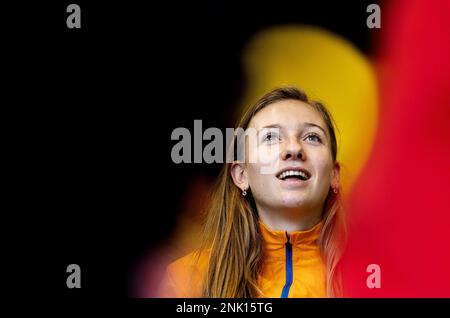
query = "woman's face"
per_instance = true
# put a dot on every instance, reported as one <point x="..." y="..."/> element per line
<point x="292" y="164"/>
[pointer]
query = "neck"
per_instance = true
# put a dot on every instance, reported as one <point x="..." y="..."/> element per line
<point x="290" y="220"/>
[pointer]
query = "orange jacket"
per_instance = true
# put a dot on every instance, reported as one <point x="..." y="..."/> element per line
<point x="291" y="267"/>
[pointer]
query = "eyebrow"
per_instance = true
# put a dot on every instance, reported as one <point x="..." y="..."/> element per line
<point x="270" y="126"/>
<point x="317" y="126"/>
<point x="307" y="124"/>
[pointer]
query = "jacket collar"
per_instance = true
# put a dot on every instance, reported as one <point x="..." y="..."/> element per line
<point x="277" y="239"/>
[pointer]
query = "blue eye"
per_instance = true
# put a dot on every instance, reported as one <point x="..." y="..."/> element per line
<point x="271" y="137"/>
<point x="313" y="138"/>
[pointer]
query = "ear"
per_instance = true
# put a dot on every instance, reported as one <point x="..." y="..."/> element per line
<point x="239" y="175"/>
<point x="336" y="175"/>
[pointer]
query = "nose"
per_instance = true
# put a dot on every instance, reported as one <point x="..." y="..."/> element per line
<point x="293" y="151"/>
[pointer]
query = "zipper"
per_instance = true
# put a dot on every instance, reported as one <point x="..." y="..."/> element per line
<point x="289" y="269"/>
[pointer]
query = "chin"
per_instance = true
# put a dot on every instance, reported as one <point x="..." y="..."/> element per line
<point x="294" y="201"/>
<point x="294" y="205"/>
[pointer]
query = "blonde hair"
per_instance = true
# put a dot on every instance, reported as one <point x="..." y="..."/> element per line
<point x="231" y="229"/>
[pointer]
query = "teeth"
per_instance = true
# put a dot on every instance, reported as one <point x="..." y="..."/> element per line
<point x="293" y="173"/>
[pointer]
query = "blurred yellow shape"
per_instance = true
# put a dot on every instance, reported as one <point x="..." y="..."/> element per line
<point x="329" y="69"/>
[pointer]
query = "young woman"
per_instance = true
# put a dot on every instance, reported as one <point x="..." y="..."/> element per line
<point x="275" y="227"/>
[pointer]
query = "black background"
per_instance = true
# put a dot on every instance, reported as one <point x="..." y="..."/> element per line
<point x="92" y="114"/>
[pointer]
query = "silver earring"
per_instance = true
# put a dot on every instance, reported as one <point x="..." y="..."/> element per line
<point x="244" y="192"/>
<point x="335" y="190"/>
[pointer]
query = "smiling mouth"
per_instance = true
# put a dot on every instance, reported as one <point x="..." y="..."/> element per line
<point x="294" y="174"/>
